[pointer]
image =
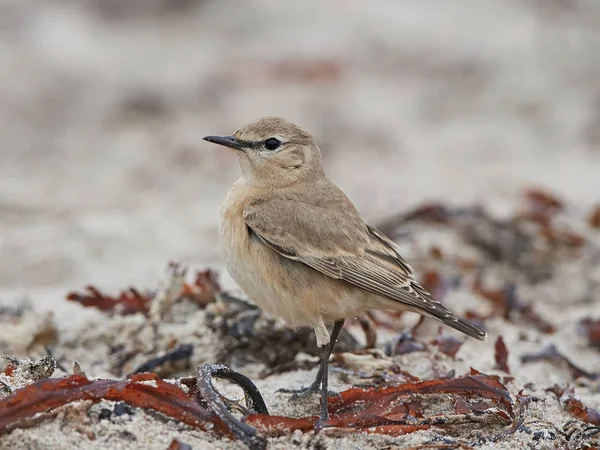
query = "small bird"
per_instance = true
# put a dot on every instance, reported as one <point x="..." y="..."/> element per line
<point x="298" y="247"/>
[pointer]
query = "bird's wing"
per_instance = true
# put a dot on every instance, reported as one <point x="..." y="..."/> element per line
<point x="334" y="240"/>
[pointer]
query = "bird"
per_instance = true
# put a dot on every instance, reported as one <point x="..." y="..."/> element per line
<point x="298" y="247"/>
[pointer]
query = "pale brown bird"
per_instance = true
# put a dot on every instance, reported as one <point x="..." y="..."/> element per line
<point x="298" y="247"/>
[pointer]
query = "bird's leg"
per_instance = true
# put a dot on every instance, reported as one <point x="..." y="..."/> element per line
<point x="323" y="367"/>
<point x="306" y="391"/>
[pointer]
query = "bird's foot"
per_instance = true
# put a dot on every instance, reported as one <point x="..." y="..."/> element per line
<point x="321" y="423"/>
<point x="303" y="392"/>
<point x="314" y="388"/>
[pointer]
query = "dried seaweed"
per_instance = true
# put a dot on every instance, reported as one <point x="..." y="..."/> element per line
<point x="519" y="423"/>
<point x="428" y="212"/>
<point x="432" y="281"/>
<point x="403" y="344"/>
<point x="127" y="302"/>
<point x="542" y="207"/>
<point x="386" y="410"/>
<point x="176" y="444"/>
<point x="514" y="241"/>
<point x="501" y="355"/>
<point x="585" y="413"/>
<point x="542" y="201"/>
<point x="500" y="240"/>
<point x="591" y="329"/>
<point x="9" y="369"/>
<point x="281" y="426"/>
<point x="469" y="385"/>
<point x="143" y="390"/>
<point x="551" y="354"/>
<point x="594" y="218"/>
<point x="448" y="344"/>
<point x="507" y="303"/>
<point x="204" y="289"/>
<point x="574" y="406"/>
<point x="381" y="413"/>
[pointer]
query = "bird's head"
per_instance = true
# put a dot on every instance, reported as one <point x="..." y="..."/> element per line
<point x="274" y="151"/>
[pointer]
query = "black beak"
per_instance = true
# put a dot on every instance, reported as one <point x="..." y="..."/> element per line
<point x="227" y="141"/>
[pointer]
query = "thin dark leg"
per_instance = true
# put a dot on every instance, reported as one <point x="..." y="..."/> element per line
<point x="324" y="368"/>
<point x="314" y="387"/>
<point x="337" y="327"/>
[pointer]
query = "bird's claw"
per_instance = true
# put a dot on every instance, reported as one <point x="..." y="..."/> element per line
<point x="302" y="393"/>
<point x="322" y="422"/>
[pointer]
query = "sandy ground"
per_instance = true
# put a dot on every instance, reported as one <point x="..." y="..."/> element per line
<point x="104" y="176"/>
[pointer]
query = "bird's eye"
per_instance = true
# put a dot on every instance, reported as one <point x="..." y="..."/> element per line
<point x="272" y="143"/>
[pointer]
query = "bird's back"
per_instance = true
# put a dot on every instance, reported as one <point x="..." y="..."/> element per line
<point x="319" y="227"/>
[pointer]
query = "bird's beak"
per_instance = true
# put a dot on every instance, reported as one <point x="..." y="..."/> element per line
<point x="227" y="141"/>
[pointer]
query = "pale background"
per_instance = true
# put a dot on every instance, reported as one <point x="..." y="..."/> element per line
<point x="104" y="176"/>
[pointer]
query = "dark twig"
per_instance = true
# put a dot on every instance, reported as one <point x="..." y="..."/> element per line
<point x="254" y="401"/>
<point x="178" y="445"/>
<point x="181" y="353"/>
<point x="47" y="394"/>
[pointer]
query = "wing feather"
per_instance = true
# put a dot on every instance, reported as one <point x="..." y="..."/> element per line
<point x="336" y="242"/>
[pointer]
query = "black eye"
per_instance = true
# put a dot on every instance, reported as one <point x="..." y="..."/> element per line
<point x="272" y="143"/>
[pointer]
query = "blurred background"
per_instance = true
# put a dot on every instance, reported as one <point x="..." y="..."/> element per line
<point x="104" y="176"/>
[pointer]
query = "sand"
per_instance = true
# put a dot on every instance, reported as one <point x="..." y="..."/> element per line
<point x="104" y="177"/>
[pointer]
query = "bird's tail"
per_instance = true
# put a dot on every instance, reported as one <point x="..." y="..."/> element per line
<point x="462" y="325"/>
<point x="432" y="308"/>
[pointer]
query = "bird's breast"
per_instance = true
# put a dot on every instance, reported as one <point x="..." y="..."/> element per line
<point x="266" y="278"/>
<point x="233" y="233"/>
